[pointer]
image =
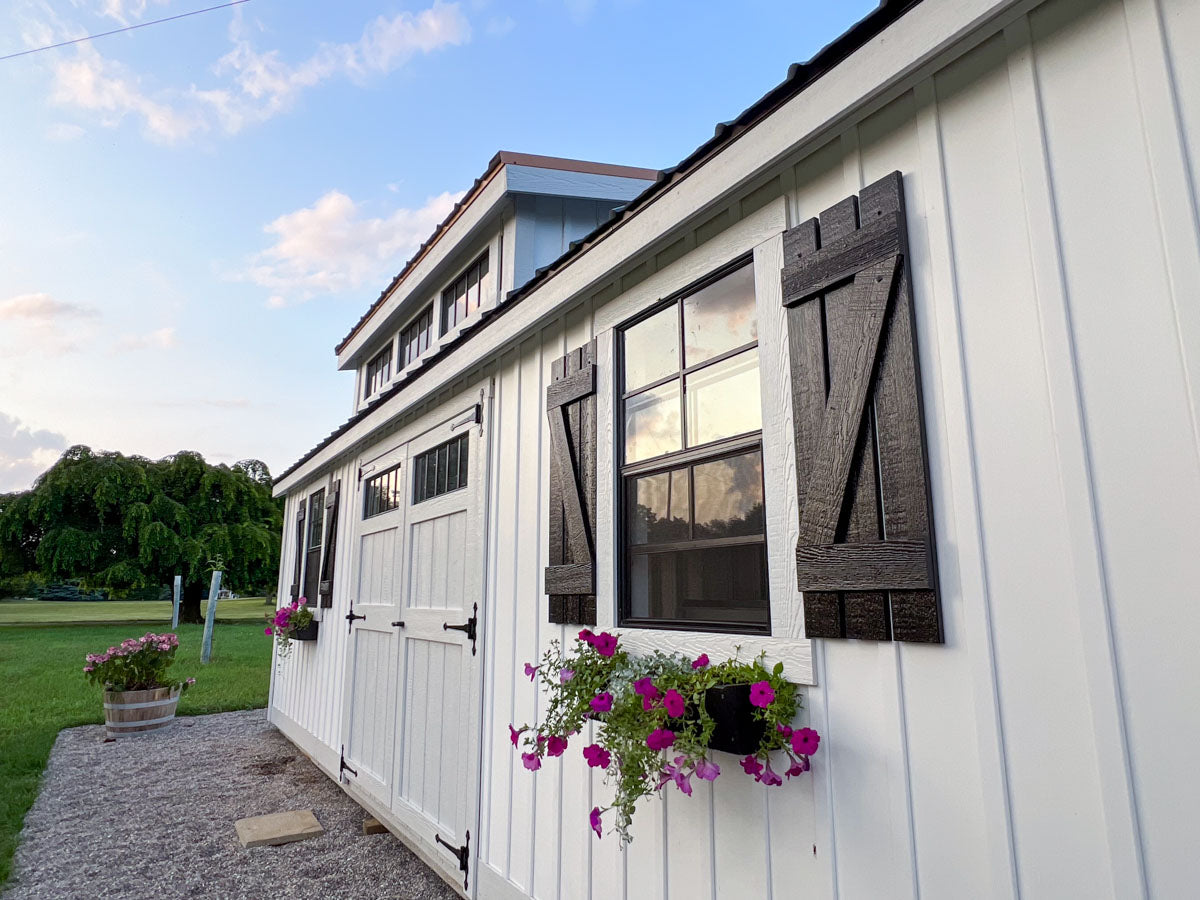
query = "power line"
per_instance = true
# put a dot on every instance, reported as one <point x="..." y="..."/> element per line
<point x="92" y="37"/>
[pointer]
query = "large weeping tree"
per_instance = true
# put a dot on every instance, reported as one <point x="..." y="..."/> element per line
<point x="123" y="522"/>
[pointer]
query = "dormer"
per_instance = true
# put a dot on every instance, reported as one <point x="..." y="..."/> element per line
<point x="520" y="215"/>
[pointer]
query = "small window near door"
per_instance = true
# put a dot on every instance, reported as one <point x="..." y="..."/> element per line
<point x="440" y="470"/>
<point x="381" y="493"/>
<point x="694" y="528"/>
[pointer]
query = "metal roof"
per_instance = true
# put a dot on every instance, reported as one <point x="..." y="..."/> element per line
<point x="799" y="77"/>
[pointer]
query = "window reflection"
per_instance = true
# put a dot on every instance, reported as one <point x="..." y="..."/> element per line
<point x="652" y="348"/>
<point x="652" y="423"/>
<point x="723" y="585"/>
<point x="660" y="508"/>
<point x="723" y="399"/>
<point x="720" y="317"/>
<point x="729" y="498"/>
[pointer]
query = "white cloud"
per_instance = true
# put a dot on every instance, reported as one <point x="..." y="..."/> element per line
<point x="64" y="131"/>
<point x="159" y="339"/>
<point x="127" y="11"/>
<point x="329" y="247"/>
<point x="25" y="453"/>
<point x="89" y="81"/>
<point x="42" y="324"/>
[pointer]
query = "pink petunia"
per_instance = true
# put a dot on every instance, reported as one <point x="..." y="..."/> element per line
<point x="644" y="687"/>
<point x="770" y="777"/>
<point x="514" y="735"/>
<point x="798" y="767"/>
<point x="597" y="757"/>
<point x="751" y="766"/>
<point x="660" y="739"/>
<point x="303" y="601"/>
<point x="701" y="661"/>
<point x="805" y="741"/>
<point x="594" y="820"/>
<point x="602" y="702"/>
<point x="530" y="671"/>
<point x="784" y="730"/>
<point x="648" y="703"/>
<point x="87" y="669"/>
<point x="531" y="761"/>
<point x="565" y="675"/>
<point x="707" y="771"/>
<point x="605" y="644"/>
<point x="683" y="782"/>
<point x="555" y="745"/>
<point x="673" y="703"/>
<point x="267" y="630"/>
<point x="762" y="694"/>
<point x="587" y="636"/>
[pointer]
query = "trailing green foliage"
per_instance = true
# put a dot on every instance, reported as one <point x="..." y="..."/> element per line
<point x="122" y="523"/>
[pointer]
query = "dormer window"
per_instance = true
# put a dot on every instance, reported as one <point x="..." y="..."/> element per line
<point x="463" y="297"/>
<point x="416" y="338"/>
<point x="379" y="370"/>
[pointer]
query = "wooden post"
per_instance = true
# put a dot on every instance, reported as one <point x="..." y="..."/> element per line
<point x="175" y="606"/>
<point x="213" y="589"/>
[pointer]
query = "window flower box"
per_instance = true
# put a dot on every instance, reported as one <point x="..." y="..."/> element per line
<point x="735" y="728"/>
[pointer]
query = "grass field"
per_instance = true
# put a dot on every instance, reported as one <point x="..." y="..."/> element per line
<point x="38" y="612"/>
<point x="44" y="691"/>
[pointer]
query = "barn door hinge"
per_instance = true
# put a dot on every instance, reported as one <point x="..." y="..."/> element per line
<point x="350" y="617"/>
<point x="468" y="627"/>
<point x="343" y="767"/>
<point x="463" y="853"/>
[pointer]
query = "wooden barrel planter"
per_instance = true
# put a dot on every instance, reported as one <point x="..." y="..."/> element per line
<point x="138" y="712"/>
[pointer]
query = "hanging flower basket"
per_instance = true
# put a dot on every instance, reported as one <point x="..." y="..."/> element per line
<point x="307" y="632"/>
<point x="138" y="698"/>
<point x="654" y="719"/>
<point x="293" y="622"/>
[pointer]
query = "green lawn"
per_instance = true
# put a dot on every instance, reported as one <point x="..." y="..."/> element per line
<point x="35" y="612"/>
<point x="43" y="690"/>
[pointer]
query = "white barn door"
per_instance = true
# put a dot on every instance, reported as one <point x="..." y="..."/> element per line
<point x="437" y="741"/>
<point x="369" y="706"/>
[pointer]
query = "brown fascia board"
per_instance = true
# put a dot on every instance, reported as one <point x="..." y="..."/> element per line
<point x="799" y="77"/>
<point x="501" y="159"/>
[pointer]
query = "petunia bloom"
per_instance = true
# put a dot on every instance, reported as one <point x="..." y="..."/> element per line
<point x="784" y="730"/>
<point x="762" y="694"/>
<point x="514" y="735"/>
<point x="555" y="745"/>
<point x="605" y="644"/>
<point x="531" y="761"/>
<point x="683" y="782"/>
<point x="770" y="777"/>
<point x="594" y="821"/>
<point x="267" y="630"/>
<point x="751" y="766"/>
<point x="597" y="757"/>
<point x="805" y="741"/>
<point x="673" y="703"/>
<point x="701" y="661"/>
<point x="660" y="739"/>
<point x="707" y="771"/>
<point x="602" y="702"/>
<point x="565" y="675"/>
<point x="644" y="687"/>
<point x="798" y="767"/>
<point x="586" y="636"/>
<point x="530" y="670"/>
<point x="648" y="703"/>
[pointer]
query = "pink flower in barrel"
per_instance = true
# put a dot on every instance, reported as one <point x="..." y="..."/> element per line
<point x="651" y="723"/>
<point x="291" y="622"/>
<point x="139" y="697"/>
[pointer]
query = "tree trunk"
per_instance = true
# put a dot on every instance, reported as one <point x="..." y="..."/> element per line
<point x="189" y="605"/>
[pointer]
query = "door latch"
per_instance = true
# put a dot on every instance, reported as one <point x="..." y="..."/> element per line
<point x="399" y="624"/>
<point x="463" y="853"/>
<point x="468" y="627"/>
<point x="350" y="617"/>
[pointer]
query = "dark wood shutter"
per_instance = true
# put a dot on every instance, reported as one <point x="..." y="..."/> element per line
<point x="329" y="546"/>
<point x="299" y="548"/>
<point x="865" y="559"/>
<point x="571" y="408"/>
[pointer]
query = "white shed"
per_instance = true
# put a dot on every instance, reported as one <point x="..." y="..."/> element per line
<point x="932" y="303"/>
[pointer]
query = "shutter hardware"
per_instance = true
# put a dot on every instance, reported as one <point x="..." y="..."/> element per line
<point x="468" y="626"/>
<point x="463" y="853"/>
<point x="342" y="767"/>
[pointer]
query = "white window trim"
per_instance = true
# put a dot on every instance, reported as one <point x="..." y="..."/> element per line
<point x="786" y="643"/>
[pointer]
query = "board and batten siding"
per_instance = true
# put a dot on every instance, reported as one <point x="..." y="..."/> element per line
<point x="1046" y="749"/>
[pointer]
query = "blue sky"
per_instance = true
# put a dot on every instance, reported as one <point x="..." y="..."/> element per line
<point x="192" y="214"/>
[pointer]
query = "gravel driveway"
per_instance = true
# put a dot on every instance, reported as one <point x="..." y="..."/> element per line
<point x="153" y="817"/>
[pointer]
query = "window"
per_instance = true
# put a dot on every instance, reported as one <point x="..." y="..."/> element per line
<point x="416" y="338"/>
<point x="463" y="297"/>
<point x="381" y="493"/>
<point x="692" y="477"/>
<point x="440" y="470"/>
<point x="312" y="556"/>
<point x="379" y="370"/>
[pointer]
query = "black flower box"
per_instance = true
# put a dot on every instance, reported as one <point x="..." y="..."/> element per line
<point x="736" y="729"/>
<point x="308" y="632"/>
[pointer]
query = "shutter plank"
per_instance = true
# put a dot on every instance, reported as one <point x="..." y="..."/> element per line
<point x="299" y="549"/>
<point x="332" y="504"/>
<point x="871" y="566"/>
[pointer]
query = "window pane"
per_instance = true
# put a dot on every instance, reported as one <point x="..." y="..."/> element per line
<point x="659" y="508"/>
<point x="723" y="399"/>
<point x="720" y="317"/>
<point x="652" y="348"/>
<point x="725" y="585"/>
<point x="729" y="498"/>
<point x="652" y="423"/>
<point x="316" y="518"/>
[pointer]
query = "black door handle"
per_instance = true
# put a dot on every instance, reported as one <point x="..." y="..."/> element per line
<point x="399" y="624"/>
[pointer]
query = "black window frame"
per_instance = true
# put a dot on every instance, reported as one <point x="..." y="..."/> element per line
<point x="688" y="457"/>
<point x="420" y="332"/>
<point x="372" y="383"/>
<point x="425" y="482"/>
<point x="314" y="527"/>
<point x="369" y="511"/>
<point x="481" y="267"/>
